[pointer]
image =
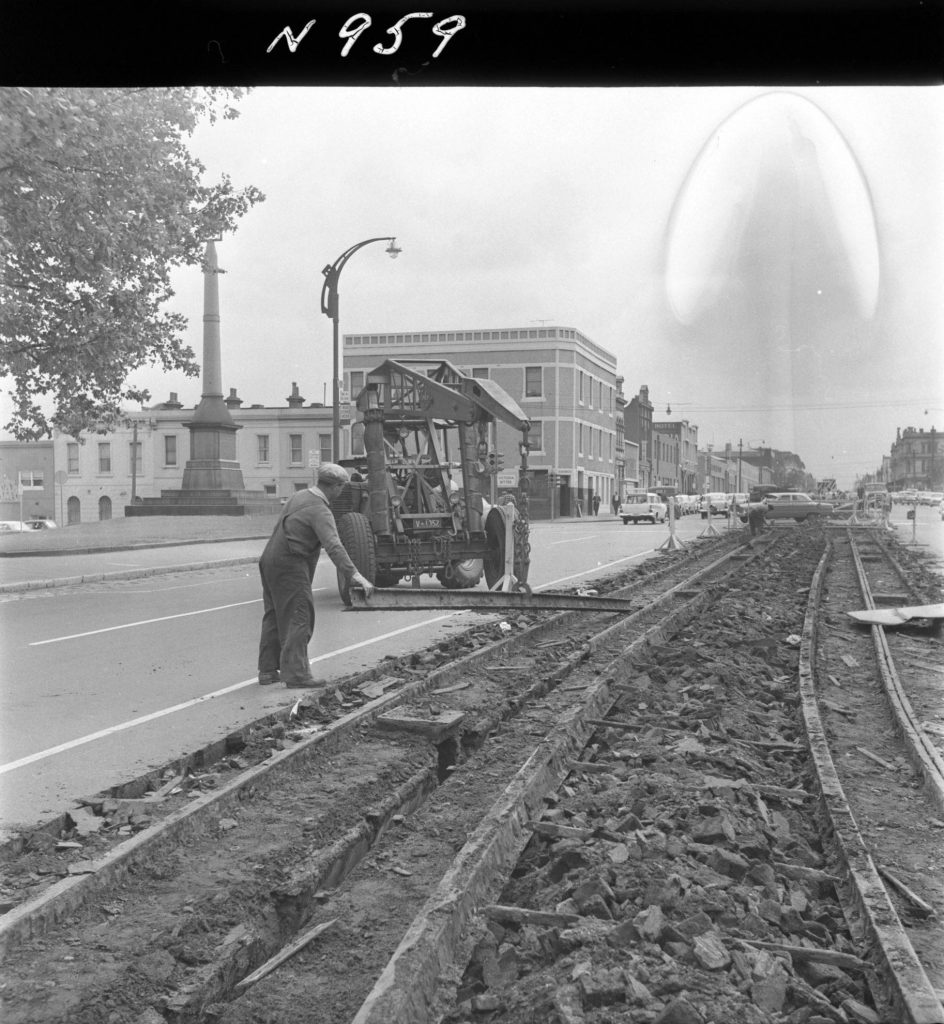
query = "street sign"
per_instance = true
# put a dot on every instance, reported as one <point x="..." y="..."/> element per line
<point x="314" y="458"/>
<point x="507" y="478"/>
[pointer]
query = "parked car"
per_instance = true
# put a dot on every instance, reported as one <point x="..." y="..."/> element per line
<point x="795" y="505"/>
<point x="638" y="505"/>
<point x="12" y="526"/>
<point x="41" y="524"/>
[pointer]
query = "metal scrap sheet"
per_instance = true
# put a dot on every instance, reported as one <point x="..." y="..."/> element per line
<point x="898" y="616"/>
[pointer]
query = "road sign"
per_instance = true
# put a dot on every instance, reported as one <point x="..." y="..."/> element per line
<point x="507" y="478"/>
<point x="314" y="458"/>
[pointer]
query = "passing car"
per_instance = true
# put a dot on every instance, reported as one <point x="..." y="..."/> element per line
<point x="41" y="524"/>
<point x="795" y="505"/>
<point x="715" y="503"/>
<point x="12" y="526"/>
<point x="645" y="505"/>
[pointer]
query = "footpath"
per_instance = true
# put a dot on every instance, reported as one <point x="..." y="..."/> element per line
<point x="130" y="548"/>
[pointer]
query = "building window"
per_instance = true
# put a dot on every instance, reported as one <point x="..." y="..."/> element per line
<point x="357" y="382"/>
<point x="533" y="382"/>
<point x="104" y="457"/>
<point x="295" y="444"/>
<point x="262" y="447"/>
<point x="580" y="439"/>
<point x="536" y="436"/>
<point x="170" y="450"/>
<point x="72" y="458"/>
<point x="580" y="386"/>
<point x="324" y="443"/>
<point x="31" y="478"/>
<point x="481" y="372"/>
<point x="300" y="487"/>
<point x="134" y="454"/>
<point x="269" y="489"/>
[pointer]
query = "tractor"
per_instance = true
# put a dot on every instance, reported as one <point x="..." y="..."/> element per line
<point x="418" y="502"/>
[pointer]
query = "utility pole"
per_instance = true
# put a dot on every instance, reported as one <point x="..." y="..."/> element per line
<point x="740" y="451"/>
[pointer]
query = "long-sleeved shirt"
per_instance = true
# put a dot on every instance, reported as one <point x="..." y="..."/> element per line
<point x="304" y="528"/>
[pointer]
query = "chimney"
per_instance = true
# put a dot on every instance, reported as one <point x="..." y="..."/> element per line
<point x="295" y="400"/>
<point x="233" y="401"/>
<point x="172" y="402"/>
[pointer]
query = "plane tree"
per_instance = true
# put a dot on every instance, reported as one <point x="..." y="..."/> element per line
<point x="100" y="198"/>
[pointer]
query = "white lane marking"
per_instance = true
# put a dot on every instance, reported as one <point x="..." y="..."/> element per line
<point x="122" y="726"/>
<point x="148" y="622"/>
<point x="143" y="719"/>
<point x="579" y="540"/>
<point x="596" y="568"/>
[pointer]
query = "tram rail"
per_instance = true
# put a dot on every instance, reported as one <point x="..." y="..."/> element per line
<point x="602" y="811"/>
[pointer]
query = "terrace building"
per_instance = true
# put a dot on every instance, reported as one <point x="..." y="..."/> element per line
<point x="564" y="382"/>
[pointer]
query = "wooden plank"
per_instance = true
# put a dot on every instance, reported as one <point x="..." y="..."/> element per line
<point x="519" y="915"/>
<point x="844" y="961"/>
<point x="284" y="954"/>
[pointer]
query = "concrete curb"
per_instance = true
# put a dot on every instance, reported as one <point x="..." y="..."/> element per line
<point x="144" y="546"/>
<point x="126" y="574"/>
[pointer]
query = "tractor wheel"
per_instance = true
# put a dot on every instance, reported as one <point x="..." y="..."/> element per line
<point x="358" y="540"/>
<point x="463" y="574"/>
<point x="494" y="560"/>
<point x="387" y="579"/>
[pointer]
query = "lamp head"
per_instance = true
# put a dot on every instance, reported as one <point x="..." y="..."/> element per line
<point x="393" y="250"/>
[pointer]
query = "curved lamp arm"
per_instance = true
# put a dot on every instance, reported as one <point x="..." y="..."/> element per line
<point x="329" y="291"/>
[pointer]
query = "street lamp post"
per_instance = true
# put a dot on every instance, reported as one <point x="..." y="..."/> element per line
<point x="329" y="306"/>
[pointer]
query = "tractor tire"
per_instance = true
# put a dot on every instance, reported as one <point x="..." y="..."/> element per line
<point x="387" y="579"/>
<point x="358" y="540"/>
<point x="625" y="520"/>
<point x="494" y="559"/>
<point x="464" y="574"/>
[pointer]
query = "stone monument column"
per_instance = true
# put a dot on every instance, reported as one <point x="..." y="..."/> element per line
<point x="213" y="464"/>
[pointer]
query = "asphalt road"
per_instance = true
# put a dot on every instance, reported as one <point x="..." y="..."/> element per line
<point x="105" y="680"/>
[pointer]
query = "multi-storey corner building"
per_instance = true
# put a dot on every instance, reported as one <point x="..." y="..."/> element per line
<point x="917" y="460"/>
<point x="564" y="382"/>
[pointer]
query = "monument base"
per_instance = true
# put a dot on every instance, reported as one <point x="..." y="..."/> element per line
<point x="206" y="503"/>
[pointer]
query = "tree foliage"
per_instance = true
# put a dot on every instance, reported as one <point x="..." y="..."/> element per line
<point x="99" y="200"/>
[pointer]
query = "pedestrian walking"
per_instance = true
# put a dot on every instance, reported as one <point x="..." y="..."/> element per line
<point x="596" y="504"/>
<point x="615" y="504"/>
<point x="287" y="568"/>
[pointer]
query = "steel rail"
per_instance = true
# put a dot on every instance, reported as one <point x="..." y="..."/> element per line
<point x="870" y="910"/>
<point x="36" y="915"/>
<point x="921" y="751"/>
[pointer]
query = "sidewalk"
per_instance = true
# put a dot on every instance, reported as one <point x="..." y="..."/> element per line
<point x="129" y="548"/>
<point x="126" y="548"/>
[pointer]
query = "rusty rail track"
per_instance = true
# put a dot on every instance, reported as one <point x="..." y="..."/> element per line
<point x="410" y="766"/>
<point x="845" y="729"/>
<point x="388" y="841"/>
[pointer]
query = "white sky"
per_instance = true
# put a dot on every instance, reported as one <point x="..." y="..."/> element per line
<point x="515" y="206"/>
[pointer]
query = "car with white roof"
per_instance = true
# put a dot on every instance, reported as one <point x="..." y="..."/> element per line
<point x="795" y="505"/>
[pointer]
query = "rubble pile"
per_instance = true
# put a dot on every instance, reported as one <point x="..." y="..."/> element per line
<point x="680" y="879"/>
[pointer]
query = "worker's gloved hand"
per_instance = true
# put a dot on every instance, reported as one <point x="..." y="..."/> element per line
<point x="362" y="581"/>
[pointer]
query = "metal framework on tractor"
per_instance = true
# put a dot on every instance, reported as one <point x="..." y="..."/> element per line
<point x="418" y="498"/>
